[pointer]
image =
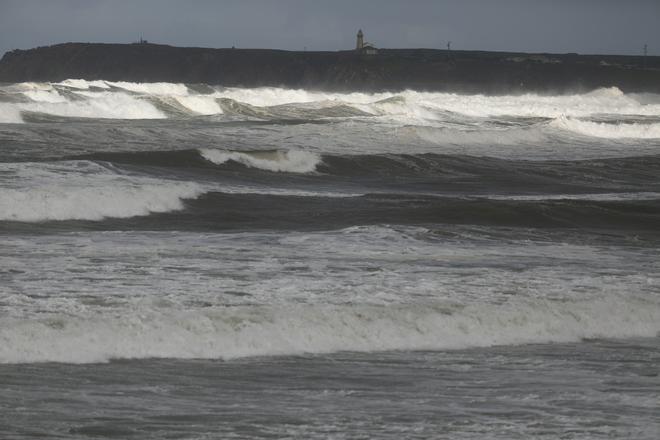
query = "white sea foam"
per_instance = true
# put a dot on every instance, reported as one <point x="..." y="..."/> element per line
<point x="610" y="101"/>
<point x="9" y="114"/>
<point x="201" y="104"/>
<point x="81" y="190"/>
<point x="232" y="332"/>
<point x="272" y="96"/>
<point x="106" y="105"/>
<point x="109" y="105"/>
<point x="95" y="203"/>
<point x="132" y="100"/>
<point x="159" y="88"/>
<point x="27" y="86"/>
<point x="291" y="161"/>
<point x="51" y="96"/>
<point x="84" y="84"/>
<point x="608" y="130"/>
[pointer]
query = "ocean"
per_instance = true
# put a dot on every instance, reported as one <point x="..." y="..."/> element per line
<point x="198" y="262"/>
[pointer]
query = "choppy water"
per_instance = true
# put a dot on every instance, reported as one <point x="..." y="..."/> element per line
<point x="198" y="262"/>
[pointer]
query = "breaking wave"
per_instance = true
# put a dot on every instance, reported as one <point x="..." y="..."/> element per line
<point x="43" y="204"/>
<point x="231" y="332"/>
<point x="608" y="130"/>
<point x="458" y="115"/>
<point x="80" y="190"/>
<point x="585" y="175"/>
<point x="87" y="190"/>
<point x="290" y="161"/>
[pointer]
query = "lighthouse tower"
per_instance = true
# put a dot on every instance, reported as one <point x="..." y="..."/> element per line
<point x="360" y="40"/>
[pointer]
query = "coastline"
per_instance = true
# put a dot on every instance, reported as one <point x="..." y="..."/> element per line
<point x="389" y="70"/>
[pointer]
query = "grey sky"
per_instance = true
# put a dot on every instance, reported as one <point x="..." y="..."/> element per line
<point x="584" y="26"/>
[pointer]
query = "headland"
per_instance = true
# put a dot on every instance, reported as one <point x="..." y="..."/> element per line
<point x="351" y="70"/>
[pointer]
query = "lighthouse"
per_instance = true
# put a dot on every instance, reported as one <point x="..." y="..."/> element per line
<point x="364" y="48"/>
<point x="360" y="40"/>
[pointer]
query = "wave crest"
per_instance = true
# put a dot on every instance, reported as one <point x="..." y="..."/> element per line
<point x="81" y="190"/>
<point x="608" y="130"/>
<point x="290" y="161"/>
<point x="126" y="100"/>
<point x="44" y="204"/>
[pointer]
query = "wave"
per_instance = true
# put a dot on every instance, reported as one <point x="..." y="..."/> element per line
<point x="200" y="105"/>
<point x="608" y="130"/>
<point x="418" y="106"/>
<point x="44" y="204"/>
<point x="157" y="88"/>
<point x="87" y="190"/>
<point x="80" y="190"/>
<point x="290" y="161"/>
<point x="257" y="211"/>
<point x="124" y="100"/>
<point x="105" y="106"/>
<point x="300" y="111"/>
<point x="445" y="170"/>
<point x="84" y="84"/>
<point x="251" y="208"/>
<point x="231" y="332"/>
<point x="527" y="136"/>
<point x="536" y="134"/>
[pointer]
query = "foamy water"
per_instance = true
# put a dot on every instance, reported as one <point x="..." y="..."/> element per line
<point x="84" y="191"/>
<point x="125" y="100"/>
<point x="287" y="161"/>
<point x="284" y="314"/>
<point x="199" y="262"/>
<point x="226" y="333"/>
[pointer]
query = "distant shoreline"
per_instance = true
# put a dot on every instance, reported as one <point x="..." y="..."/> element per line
<point x="388" y="70"/>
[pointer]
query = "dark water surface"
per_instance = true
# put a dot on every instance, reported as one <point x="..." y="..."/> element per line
<point x="200" y="263"/>
<point x="534" y="391"/>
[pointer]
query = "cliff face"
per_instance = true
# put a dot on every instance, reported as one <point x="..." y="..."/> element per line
<point x="390" y="69"/>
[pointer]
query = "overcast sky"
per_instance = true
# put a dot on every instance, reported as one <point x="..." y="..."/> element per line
<point x="583" y="26"/>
